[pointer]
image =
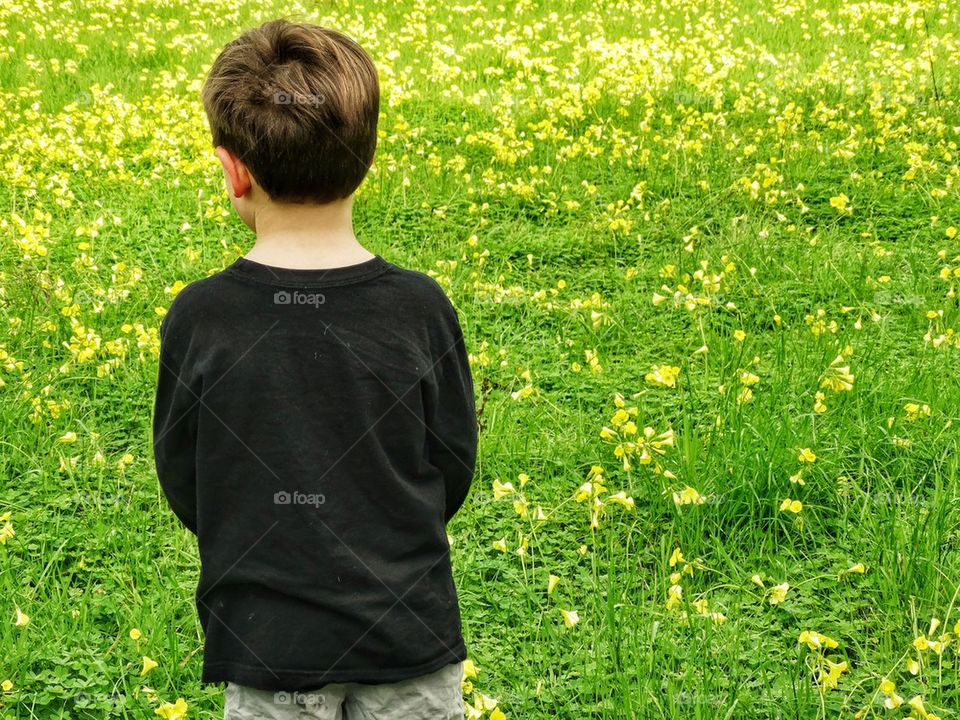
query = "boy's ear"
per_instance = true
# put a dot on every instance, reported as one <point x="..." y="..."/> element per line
<point x="235" y="172"/>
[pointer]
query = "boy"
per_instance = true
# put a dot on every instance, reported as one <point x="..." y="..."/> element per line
<point x="314" y="422"/>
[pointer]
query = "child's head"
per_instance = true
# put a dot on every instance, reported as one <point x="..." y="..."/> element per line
<point x="293" y="109"/>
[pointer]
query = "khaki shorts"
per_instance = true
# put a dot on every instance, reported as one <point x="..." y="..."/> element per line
<point x="435" y="696"/>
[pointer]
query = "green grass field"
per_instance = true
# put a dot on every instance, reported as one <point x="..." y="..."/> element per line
<point x="706" y="257"/>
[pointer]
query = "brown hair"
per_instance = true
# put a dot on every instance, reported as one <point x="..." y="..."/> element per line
<point x="298" y="104"/>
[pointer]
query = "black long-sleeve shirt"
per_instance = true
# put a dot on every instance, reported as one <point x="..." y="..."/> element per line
<point x="316" y="430"/>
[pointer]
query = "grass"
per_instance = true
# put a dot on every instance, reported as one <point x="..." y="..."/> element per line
<point x="627" y="183"/>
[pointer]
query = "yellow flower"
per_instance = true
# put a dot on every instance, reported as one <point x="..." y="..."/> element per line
<point x="135" y="634"/>
<point x="915" y="411"/>
<point x="836" y="377"/>
<point x="788" y="505"/>
<point x="806" y="455"/>
<point x="500" y="544"/>
<point x="22" y="619"/>
<point x="674" y="596"/>
<point x="888" y="688"/>
<point x="7" y="685"/>
<point x="778" y="593"/>
<point x="522" y="393"/>
<point x="176" y="288"/>
<point x="739" y="335"/>
<point x="67" y="438"/>
<point x="859" y="568"/>
<point x="148" y="665"/>
<point x="841" y="203"/>
<point x="497" y="714"/>
<point x="688" y="496"/>
<point x="675" y="557"/>
<point x="172" y="711"/>
<point x="665" y="375"/>
<point x="6" y="530"/>
<point x="501" y="490"/>
<point x="818" y="404"/>
<point x="586" y="491"/>
<point x="469" y="669"/>
<point x="816" y="641"/>
<point x="570" y="617"/>
<point x="831" y="678"/>
<point x="755" y="579"/>
<point x="552" y="583"/>
<point x="621" y="498"/>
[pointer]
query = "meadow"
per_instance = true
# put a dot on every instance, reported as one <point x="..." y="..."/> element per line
<point x="706" y="256"/>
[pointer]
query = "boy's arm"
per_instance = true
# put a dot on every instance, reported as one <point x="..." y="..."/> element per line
<point x="452" y="429"/>
<point x="175" y="430"/>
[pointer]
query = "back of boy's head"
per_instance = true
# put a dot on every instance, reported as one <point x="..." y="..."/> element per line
<point x="298" y="104"/>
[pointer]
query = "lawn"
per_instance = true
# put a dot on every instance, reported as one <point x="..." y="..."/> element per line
<point x="706" y="257"/>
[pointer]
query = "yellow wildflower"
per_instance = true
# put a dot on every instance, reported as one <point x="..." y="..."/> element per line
<point x="172" y="711"/>
<point x="788" y="505"/>
<point x="501" y="490"/>
<point x="816" y="641"/>
<point x="688" y="496"/>
<point x="778" y="593"/>
<point x="665" y="375"/>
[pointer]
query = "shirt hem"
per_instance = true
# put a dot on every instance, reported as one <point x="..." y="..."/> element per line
<point x="284" y="679"/>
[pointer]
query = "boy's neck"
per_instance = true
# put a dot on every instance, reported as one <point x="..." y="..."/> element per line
<point x="307" y="236"/>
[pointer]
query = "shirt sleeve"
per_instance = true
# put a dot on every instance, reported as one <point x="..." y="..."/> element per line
<point x="452" y="428"/>
<point x="176" y="409"/>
